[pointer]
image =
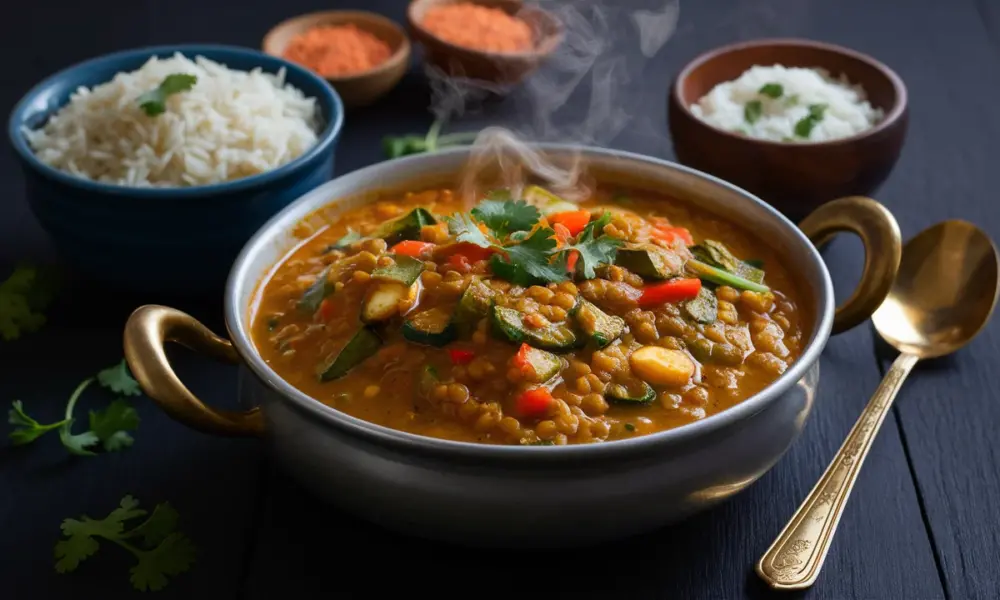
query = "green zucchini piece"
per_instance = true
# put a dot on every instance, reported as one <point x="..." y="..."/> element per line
<point x="547" y="202"/>
<point x="598" y="325"/>
<point x="704" y="308"/>
<point x="718" y="255"/>
<point x="406" y="227"/>
<point x="348" y="238"/>
<point x="636" y="392"/>
<point x="432" y="327"/>
<point x="509" y="323"/>
<point x="544" y="365"/>
<point x="715" y="275"/>
<point x="382" y="300"/>
<point x="650" y="262"/>
<point x="473" y="306"/>
<point x="364" y="344"/>
<point x="315" y="293"/>
<point x="427" y="380"/>
<point x="404" y="269"/>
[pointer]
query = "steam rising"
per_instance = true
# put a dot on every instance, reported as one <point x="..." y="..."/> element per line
<point x="584" y="93"/>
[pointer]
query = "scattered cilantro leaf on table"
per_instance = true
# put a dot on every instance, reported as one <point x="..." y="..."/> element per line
<point x="160" y="551"/>
<point x="27" y="429"/>
<point x="403" y="145"/>
<point x="118" y="379"/>
<point x="595" y="247"/>
<point x="79" y="442"/>
<point x="154" y="102"/>
<point x="112" y="425"/>
<point x="24" y="296"/>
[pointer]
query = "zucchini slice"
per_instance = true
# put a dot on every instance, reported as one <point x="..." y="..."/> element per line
<point x="650" y="262"/>
<point x="360" y="347"/>
<point x="718" y="255"/>
<point x="383" y="299"/>
<point x="406" y="227"/>
<point x="598" y="325"/>
<point x="545" y="201"/>
<point x="704" y="308"/>
<point x="314" y="295"/>
<point x="509" y="323"/>
<point x="404" y="269"/>
<point x="473" y="305"/>
<point x="635" y="392"/>
<point x="544" y="365"/>
<point x="432" y="327"/>
<point x="346" y="240"/>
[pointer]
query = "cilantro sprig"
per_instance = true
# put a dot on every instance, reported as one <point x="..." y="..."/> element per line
<point x="154" y="102"/>
<point x="395" y="146"/>
<point x="160" y="550"/>
<point x="109" y="427"/>
<point x="594" y="247"/>
<point x="24" y="297"/>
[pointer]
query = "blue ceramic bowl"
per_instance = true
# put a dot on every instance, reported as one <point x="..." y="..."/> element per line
<point x="178" y="240"/>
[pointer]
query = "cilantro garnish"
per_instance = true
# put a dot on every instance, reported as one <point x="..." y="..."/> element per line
<point x="752" y="111"/>
<point x="507" y="216"/>
<point x="23" y="297"/>
<point x="594" y="247"/>
<point x="154" y="102"/>
<point x="530" y="262"/>
<point x="805" y="125"/>
<point x="160" y="551"/>
<point x="109" y="427"/>
<point x="465" y="229"/>
<point x="771" y="90"/>
<point x="396" y="146"/>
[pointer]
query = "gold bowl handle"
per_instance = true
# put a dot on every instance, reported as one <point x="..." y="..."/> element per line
<point x="879" y="233"/>
<point x="148" y="328"/>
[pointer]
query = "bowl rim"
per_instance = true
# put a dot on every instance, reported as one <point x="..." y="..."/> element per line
<point x="241" y="275"/>
<point x="894" y="114"/>
<point x="324" y="140"/>
<point x="401" y="54"/>
<point x="551" y="42"/>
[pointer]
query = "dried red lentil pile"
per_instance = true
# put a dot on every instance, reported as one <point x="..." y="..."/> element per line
<point x="337" y="50"/>
<point x="479" y="27"/>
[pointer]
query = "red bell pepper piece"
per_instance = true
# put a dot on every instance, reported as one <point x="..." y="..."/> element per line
<point x="675" y="290"/>
<point x="461" y="357"/>
<point x="572" y="220"/>
<point x="413" y="248"/>
<point x="571" y="261"/>
<point x="535" y="402"/>
<point x="326" y="309"/>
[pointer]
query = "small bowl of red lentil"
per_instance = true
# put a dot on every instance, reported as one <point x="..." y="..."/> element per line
<point x="362" y="54"/>
<point x="496" y="41"/>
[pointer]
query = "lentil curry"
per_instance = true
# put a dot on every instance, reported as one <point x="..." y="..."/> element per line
<point x="530" y="321"/>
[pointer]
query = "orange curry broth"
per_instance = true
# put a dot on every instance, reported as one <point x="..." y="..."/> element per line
<point x="384" y="390"/>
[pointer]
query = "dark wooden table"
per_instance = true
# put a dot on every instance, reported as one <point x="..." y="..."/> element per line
<point x="923" y="519"/>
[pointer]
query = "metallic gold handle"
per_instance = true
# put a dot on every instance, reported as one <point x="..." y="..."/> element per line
<point x="794" y="559"/>
<point x="145" y="333"/>
<point x="879" y="232"/>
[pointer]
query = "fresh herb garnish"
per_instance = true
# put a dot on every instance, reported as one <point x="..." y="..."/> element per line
<point x="805" y="125"/>
<point x="396" y="146"/>
<point x="109" y="427"/>
<point x="792" y="100"/>
<point x="159" y="549"/>
<point x="530" y="262"/>
<point x="315" y="293"/>
<point x="594" y="248"/>
<point x="752" y="111"/>
<point x="24" y="296"/>
<point x="507" y="216"/>
<point x="772" y="90"/>
<point x="465" y="229"/>
<point x="154" y="102"/>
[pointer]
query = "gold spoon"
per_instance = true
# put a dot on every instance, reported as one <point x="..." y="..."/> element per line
<point x="942" y="297"/>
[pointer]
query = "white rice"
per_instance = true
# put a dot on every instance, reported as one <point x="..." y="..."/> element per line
<point x="847" y="111"/>
<point x="231" y="124"/>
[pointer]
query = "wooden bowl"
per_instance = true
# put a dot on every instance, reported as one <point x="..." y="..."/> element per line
<point x="490" y="67"/>
<point x="793" y="177"/>
<point x="363" y="88"/>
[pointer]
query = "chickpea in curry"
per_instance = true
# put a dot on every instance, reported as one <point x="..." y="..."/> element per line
<point x="530" y="320"/>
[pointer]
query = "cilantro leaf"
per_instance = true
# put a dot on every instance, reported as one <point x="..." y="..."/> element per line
<point x="112" y="424"/>
<point x="506" y="217"/>
<point x="772" y="90"/>
<point x="396" y="146"/>
<point x="752" y="111"/>
<point x="173" y="556"/>
<point x="465" y="229"/>
<point x="154" y="102"/>
<point x="530" y="262"/>
<point x="159" y="549"/>
<point x="27" y="429"/>
<point x="77" y="443"/>
<point x="118" y="379"/>
<point x="24" y="296"/>
<point x="804" y="127"/>
<point x="594" y="248"/>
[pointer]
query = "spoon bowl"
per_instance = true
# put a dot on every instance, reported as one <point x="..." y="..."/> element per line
<point x="943" y="295"/>
<point x="944" y="292"/>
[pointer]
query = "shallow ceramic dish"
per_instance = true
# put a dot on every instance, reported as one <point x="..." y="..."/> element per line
<point x="364" y="88"/>
<point x="794" y="177"/>
<point x="170" y="240"/>
<point x="491" y="67"/>
<point x="491" y="495"/>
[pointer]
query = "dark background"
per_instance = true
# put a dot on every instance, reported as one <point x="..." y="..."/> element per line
<point x="922" y="520"/>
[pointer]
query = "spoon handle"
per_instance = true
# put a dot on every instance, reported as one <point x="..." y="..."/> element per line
<point x="795" y="558"/>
